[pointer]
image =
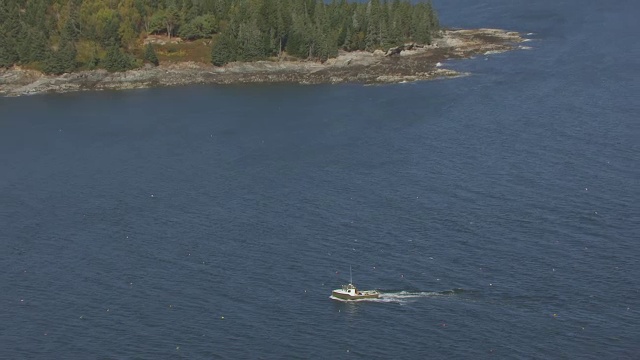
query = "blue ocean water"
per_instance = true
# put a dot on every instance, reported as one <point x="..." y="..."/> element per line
<point x="498" y="213"/>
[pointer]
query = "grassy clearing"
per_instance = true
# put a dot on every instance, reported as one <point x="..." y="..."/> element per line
<point x="198" y="51"/>
<point x="170" y="52"/>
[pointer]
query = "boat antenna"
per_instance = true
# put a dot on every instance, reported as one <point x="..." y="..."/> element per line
<point x="350" y="276"/>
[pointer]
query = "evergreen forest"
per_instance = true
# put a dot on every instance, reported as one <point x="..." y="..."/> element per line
<point x="59" y="36"/>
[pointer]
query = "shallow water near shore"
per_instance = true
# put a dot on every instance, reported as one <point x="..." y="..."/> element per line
<point x="497" y="213"/>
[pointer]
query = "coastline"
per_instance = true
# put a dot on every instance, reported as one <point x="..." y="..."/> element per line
<point x="403" y="64"/>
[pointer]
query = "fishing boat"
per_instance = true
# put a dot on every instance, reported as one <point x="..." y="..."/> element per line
<point x="350" y="292"/>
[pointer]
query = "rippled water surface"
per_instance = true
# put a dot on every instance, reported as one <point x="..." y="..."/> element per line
<point x="497" y="213"/>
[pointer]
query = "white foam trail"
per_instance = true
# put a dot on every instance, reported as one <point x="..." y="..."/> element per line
<point x="409" y="294"/>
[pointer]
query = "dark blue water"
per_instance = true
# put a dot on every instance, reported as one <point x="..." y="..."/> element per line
<point x="499" y="213"/>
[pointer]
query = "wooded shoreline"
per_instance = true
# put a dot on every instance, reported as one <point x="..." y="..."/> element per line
<point x="411" y="62"/>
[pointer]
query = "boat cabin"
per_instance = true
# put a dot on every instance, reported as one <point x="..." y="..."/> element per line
<point x="350" y="289"/>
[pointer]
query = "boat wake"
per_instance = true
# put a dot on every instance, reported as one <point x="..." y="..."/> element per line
<point x="403" y="296"/>
<point x="408" y="294"/>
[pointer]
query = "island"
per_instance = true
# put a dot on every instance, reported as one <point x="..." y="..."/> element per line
<point x="74" y="45"/>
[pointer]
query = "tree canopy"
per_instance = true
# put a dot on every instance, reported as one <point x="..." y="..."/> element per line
<point x="65" y="35"/>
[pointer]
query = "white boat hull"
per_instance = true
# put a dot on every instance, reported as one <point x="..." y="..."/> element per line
<point x="343" y="295"/>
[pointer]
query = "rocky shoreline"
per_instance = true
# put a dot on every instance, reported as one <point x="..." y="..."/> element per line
<point x="403" y="64"/>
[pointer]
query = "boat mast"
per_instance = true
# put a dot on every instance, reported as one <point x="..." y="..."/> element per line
<point x="350" y="276"/>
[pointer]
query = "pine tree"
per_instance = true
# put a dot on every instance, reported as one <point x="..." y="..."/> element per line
<point x="110" y="34"/>
<point x="250" y="44"/>
<point x="186" y="13"/>
<point x="420" y="25"/>
<point x="150" y="55"/>
<point x="8" y="57"/>
<point x="63" y="60"/>
<point x="326" y="37"/>
<point x="94" y="61"/>
<point x="434" y="22"/>
<point x="23" y="44"/>
<point x="300" y="42"/>
<point x="70" y="30"/>
<point x="348" y="41"/>
<point x="116" y="61"/>
<point x="9" y="27"/>
<point x="372" y="39"/>
<point x="200" y="27"/>
<point x="39" y="48"/>
<point x="224" y="50"/>
<point x="67" y="55"/>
